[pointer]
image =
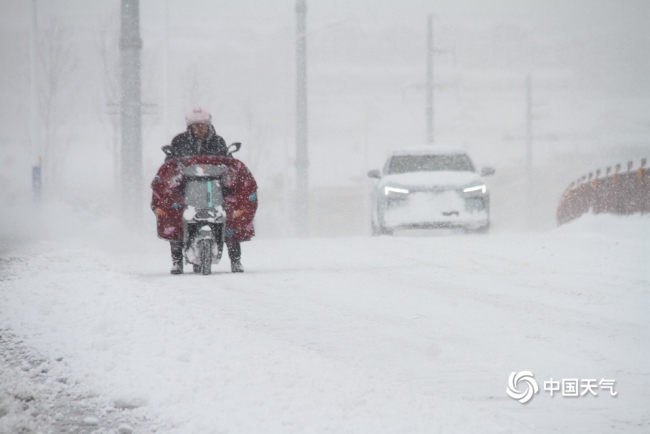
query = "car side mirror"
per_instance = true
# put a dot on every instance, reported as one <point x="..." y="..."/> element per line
<point x="234" y="147"/>
<point x="374" y="174"/>
<point x="167" y="149"/>
<point x="487" y="171"/>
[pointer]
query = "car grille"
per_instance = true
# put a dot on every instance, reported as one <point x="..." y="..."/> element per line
<point x="437" y="189"/>
<point x="471" y="203"/>
<point x="474" y="203"/>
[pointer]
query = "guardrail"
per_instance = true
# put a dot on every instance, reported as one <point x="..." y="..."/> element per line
<point x="611" y="192"/>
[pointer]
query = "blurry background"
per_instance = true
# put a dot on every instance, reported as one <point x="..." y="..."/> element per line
<point x="589" y="61"/>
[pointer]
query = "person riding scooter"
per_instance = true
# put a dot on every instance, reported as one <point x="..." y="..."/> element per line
<point x="200" y="139"/>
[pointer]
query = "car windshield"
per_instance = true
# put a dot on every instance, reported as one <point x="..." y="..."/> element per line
<point x="430" y="163"/>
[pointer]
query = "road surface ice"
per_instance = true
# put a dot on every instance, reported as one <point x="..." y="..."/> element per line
<point x="416" y="333"/>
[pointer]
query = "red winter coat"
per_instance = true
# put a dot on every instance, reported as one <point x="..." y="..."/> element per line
<point x="239" y="191"/>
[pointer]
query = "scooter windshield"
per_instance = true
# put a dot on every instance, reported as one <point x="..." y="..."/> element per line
<point x="202" y="193"/>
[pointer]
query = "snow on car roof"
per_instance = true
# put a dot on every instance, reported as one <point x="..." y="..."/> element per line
<point x="429" y="150"/>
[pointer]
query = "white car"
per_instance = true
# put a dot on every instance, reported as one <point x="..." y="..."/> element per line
<point x="430" y="186"/>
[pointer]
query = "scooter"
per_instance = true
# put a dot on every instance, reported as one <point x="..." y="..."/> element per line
<point x="204" y="217"/>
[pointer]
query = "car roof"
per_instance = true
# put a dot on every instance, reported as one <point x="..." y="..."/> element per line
<point x="430" y="150"/>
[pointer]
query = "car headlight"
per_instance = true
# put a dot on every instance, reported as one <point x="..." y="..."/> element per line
<point x="388" y="190"/>
<point x="475" y="189"/>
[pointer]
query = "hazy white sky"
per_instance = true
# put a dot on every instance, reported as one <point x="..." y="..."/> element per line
<point x="579" y="14"/>
<point x="240" y="54"/>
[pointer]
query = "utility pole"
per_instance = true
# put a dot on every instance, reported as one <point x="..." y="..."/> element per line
<point x="302" y="159"/>
<point x="166" y="108"/>
<point x="130" y="47"/>
<point x="37" y="175"/>
<point x="429" y="90"/>
<point x="32" y="75"/>
<point x="529" y="149"/>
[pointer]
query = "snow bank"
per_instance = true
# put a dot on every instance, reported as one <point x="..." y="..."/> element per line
<point x="40" y="394"/>
<point x="636" y="226"/>
<point x="20" y="404"/>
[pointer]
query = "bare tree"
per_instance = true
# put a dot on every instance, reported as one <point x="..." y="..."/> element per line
<point x="56" y="64"/>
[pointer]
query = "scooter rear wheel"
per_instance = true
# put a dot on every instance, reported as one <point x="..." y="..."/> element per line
<point x="205" y="252"/>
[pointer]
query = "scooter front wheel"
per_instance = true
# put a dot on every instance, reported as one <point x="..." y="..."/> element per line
<point x="205" y="253"/>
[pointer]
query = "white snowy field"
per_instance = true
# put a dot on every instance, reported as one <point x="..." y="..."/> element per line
<point x="415" y="333"/>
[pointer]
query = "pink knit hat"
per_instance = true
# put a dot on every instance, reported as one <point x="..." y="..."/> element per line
<point x="198" y="115"/>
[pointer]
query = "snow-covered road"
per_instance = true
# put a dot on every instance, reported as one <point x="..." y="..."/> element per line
<point x="396" y="334"/>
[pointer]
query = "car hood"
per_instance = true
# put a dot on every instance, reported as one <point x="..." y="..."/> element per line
<point x="431" y="179"/>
